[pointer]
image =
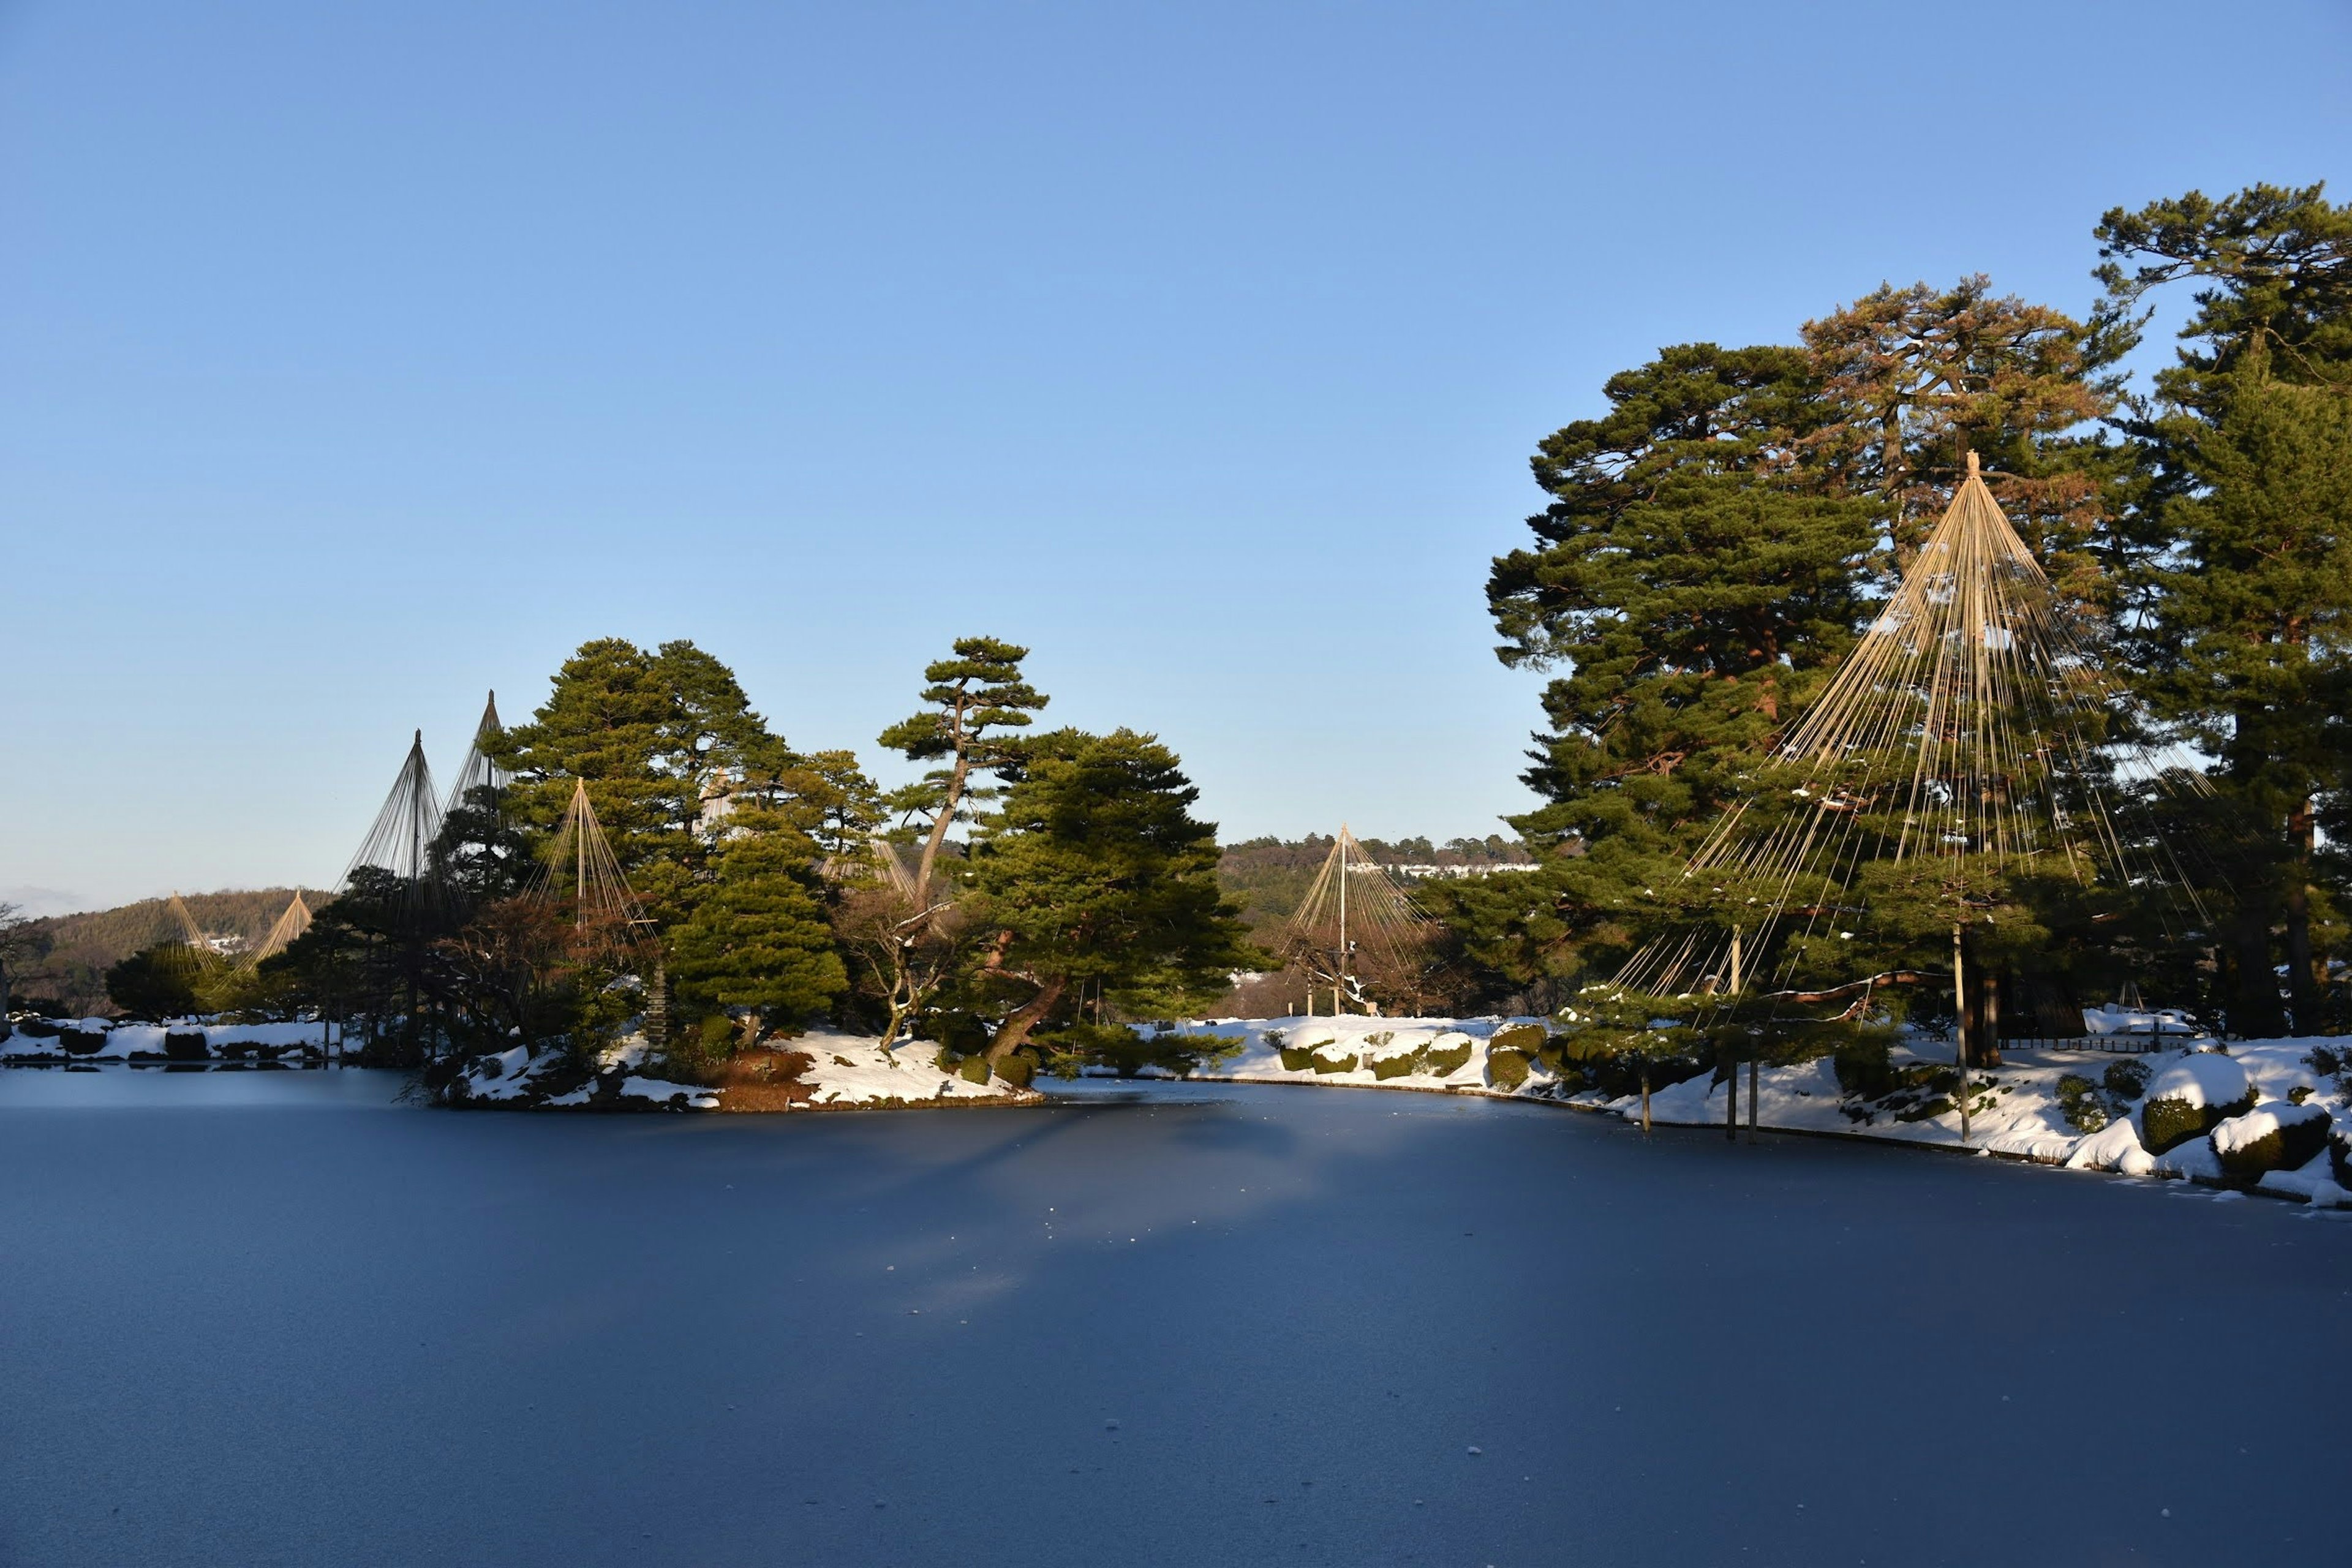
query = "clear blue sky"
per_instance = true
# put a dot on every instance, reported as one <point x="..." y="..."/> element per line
<point x="356" y="358"/>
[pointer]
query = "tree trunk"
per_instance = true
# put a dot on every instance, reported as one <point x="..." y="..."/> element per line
<point x="1014" y="1030"/>
<point x="1730" y="1097"/>
<point x="2257" y="1014"/>
<point x="939" y="835"/>
<point x="2303" y="984"/>
<point x="1645" y="1103"/>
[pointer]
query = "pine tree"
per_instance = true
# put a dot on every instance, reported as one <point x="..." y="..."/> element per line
<point x="758" y="937"/>
<point x="1913" y="380"/>
<point x="972" y="699"/>
<point x="1694" y="595"/>
<point x="1094" y="872"/>
<point x="712" y="816"/>
<point x="2245" y="539"/>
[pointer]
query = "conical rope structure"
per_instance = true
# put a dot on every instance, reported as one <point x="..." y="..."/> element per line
<point x="477" y="771"/>
<point x="1355" y="924"/>
<point x="288" y="926"/>
<point x="401" y="838"/>
<point x="578" y="868"/>
<point x="1964" y="741"/>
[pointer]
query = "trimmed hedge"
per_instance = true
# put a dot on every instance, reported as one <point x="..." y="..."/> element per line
<point x="1507" y="1069"/>
<point x="1446" y="1061"/>
<point x="1297" y="1059"/>
<point x="2292" y="1145"/>
<point x="1331" y="1064"/>
<point x="1017" y="1070"/>
<point x="1525" y="1039"/>
<point x="1399" y="1065"/>
<point x="972" y="1069"/>
<point x="2167" y="1121"/>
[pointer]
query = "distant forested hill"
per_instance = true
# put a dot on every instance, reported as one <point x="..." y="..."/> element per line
<point x="71" y="979"/>
<point x="1271" y="876"/>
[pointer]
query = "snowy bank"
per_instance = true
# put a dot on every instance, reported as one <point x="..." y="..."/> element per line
<point x="2255" y="1114"/>
<point x="816" y="1072"/>
<point x="55" y="1040"/>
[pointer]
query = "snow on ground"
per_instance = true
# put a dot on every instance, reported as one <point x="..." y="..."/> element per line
<point x="845" y="1072"/>
<point x="183" y="1039"/>
<point x="849" y="1071"/>
<point x="2014" y="1109"/>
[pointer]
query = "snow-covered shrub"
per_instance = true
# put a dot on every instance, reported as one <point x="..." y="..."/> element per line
<point x="1445" y="1060"/>
<point x="2192" y="1097"/>
<point x="1274" y="1038"/>
<point x="1397" y="1066"/>
<point x="2079" y="1102"/>
<point x="1297" y="1059"/>
<point x="1328" y="1057"/>
<point x="1506" y="1068"/>
<point x="81" y="1042"/>
<point x="2323" y="1061"/>
<point x="2275" y="1138"/>
<point x="2300" y="1094"/>
<point x="1525" y="1039"/>
<point x="2125" y="1080"/>
<point x="186" y="1046"/>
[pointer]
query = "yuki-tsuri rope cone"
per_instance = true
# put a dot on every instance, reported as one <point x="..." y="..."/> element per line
<point x="1966" y="732"/>
<point x="581" y="870"/>
<point x="1355" y="919"/>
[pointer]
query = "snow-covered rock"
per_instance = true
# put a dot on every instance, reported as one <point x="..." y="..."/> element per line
<point x="2116" y="1147"/>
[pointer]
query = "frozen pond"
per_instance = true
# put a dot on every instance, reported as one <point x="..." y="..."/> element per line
<point x="268" y="1318"/>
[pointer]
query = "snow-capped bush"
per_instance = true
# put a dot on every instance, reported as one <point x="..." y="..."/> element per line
<point x="1506" y="1069"/>
<point x="2275" y="1138"/>
<point x="1448" y="1054"/>
<point x="1398" y="1064"/>
<point x="2192" y="1097"/>
<point x="1297" y="1058"/>
<point x="1328" y="1057"/>
<point x="1525" y="1039"/>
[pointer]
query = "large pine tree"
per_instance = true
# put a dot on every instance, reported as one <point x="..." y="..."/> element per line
<point x="1691" y="592"/>
<point x="2245" y="532"/>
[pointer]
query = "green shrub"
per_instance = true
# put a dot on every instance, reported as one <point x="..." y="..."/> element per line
<point x="1925" y="1109"/>
<point x="1863" y="1068"/>
<point x="2300" y="1094"/>
<point x="2294" y="1144"/>
<point x="2166" y="1121"/>
<point x="81" y="1042"/>
<point x="1379" y="1037"/>
<point x="1523" y="1038"/>
<point x="1445" y="1060"/>
<point x="1553" y="1054"/>
<point x="1274" y="1038"/>
<point x="193" y="1047"/>
<point x="1297" y="1059"/>
<point x="1398" y="1065"/>
<point x="1326" y="1064"/>
<point x="1016" y="1070"/>
<point x="944" y="1059"/>
<point x="2323" y="1061"/>
<point x="972" y="1069"/>
<point x="1507" y="1069"/>
<point x="2126" y="1079"/>
<point x="2079" y="1102"/>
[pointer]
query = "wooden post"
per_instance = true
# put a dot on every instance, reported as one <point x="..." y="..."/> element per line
<point x="1961" y="1026"/>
